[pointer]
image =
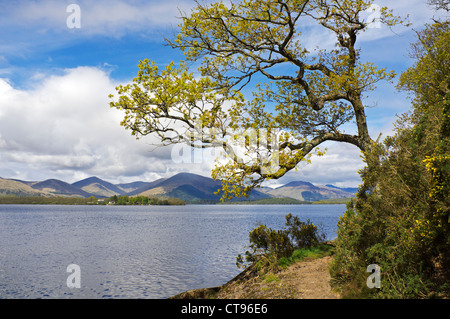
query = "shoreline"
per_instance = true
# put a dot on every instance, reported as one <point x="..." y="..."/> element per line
<point x="304" y="279"/>
<point x="83" y="202"/>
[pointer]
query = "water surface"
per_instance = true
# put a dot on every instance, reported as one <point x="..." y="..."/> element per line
<point x="132" y="251"/>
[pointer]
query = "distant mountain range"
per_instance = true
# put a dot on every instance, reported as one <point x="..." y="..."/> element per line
<point x="305" y="191"/>
<point x="186" y="186"/>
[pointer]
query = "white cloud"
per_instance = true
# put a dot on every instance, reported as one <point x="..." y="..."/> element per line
<point x="313" y="35"/>
<point x="64" y="126"/>
<point x="339" y="166"/>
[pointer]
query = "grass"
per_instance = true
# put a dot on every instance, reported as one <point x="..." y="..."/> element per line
<point x="304" y="253"/>
<point x="271" y="277"/>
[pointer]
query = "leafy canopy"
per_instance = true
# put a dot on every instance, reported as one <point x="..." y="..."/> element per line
<point x="301" y="97"/>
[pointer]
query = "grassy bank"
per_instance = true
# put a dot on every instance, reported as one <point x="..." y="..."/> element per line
<point x="303" y="275"/>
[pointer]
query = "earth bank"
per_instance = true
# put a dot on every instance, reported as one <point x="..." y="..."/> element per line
<point x="306" y="279"/>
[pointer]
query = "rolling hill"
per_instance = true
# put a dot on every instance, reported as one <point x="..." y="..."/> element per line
<point x="18" y="188"/>
<point x="185" y="186"/>
<point x="98" y="187"/>
<point x="145" y="187"/>
<point x="59" y="188"/>
<point x="305" y="191"/>
<point x="130" y="187"/>
<point x="189" y="187"/>
<point x="352" y="190"/>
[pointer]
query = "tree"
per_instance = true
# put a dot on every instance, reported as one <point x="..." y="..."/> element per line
<point x="268" y="246"/>
<point x="429" y="79"/>
<point x="440" y="4"/>
<point x="300" y="100"/>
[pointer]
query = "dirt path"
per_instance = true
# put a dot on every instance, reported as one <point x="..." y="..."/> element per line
<point x="308" y="279"/>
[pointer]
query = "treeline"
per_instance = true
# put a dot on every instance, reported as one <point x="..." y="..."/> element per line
<point x="113" y="200"/>
<point x="57" y="200"/>
<point x="143" y="200"/>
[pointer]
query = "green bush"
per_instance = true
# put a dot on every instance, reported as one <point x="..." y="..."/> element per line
<point x="400" y="219"/>
<point x="144" y="200"/>
<point x="269" y="246"/>
<point x="399" y="222"/>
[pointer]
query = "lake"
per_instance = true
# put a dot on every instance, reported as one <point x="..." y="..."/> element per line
<point x="132" y="251"/>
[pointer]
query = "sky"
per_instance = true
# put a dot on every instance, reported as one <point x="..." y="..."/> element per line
<point x="56" y="72"/>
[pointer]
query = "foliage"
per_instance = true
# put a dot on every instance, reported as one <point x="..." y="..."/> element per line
<point x="268" y="246"/>
<point x="144" y="200"/>
<point x="429" y="78"/>
<point x="300" y="97"/>
<point x="440" y="4"/>
<point x="54" y="200"/>
<point x="400" y="218"/>
<point x="116" y="200"/>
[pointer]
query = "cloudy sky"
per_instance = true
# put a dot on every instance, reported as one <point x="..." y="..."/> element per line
<point x="55" y="119"/>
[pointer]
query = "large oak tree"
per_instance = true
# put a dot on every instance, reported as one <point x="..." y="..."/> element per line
<point x="301" y="98"/>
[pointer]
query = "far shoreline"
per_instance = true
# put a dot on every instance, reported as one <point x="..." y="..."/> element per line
<point x="81" y="203"/>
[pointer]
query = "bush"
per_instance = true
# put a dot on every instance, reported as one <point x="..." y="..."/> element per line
<point x="400" y="219"/>
<point x="303" y="253"/>
<point x="268" y="246"/>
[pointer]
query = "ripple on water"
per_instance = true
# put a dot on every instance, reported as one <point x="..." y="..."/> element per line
<point x="130" y="252"/>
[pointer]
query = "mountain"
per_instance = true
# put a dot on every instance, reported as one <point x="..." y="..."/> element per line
<point x="98" y="187"/>
<point x="299" y="184"/>
<point x="305" y="191"/>
<point x="19" y="188"/>
<point x="185" y="186"/>
<point x="353" y="190"/>
<point x="59" y="188"/>
<point x="191" y="187"/>
<point x="130" y="187"/>
<point x="145" y="187"/>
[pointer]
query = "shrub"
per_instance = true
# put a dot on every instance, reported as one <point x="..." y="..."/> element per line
<point x="302" y="253"/>
<point x="268" y="246"/>
<point x="400" y="219"/>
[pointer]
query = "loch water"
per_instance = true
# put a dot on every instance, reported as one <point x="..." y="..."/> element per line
<point x="132" y="251"/>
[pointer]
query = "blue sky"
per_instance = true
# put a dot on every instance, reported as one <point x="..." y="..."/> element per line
<point x="55" y="120"/>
